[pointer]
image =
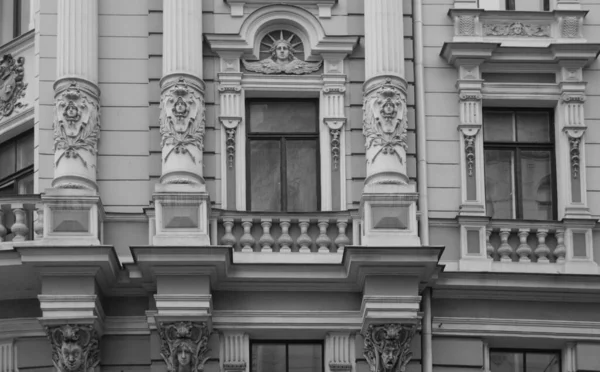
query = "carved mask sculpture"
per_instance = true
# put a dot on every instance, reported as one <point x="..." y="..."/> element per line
<point x="184" y="346"/>
<point x="11" y="84"/>
<point x="387" y="346"/>
<point x="74" y="348"/>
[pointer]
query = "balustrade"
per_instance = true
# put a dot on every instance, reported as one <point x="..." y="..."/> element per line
<point x="537" y="244"/>
<point x="260" y="232"/>
<point x="21" y="219"/>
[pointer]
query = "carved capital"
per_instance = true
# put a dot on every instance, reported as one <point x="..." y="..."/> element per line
<point x="76" y="122"/>
<point x="12" y="87"/>
<point x="572" y="98"/>
<point x="230" y="88"/>
<point x="334" y="89"/>
<point x="184" y="345"/>
<point x="470" y="96"/>
<point x="182" y="119"/>
<point x="74" y="347"/>
<point x="387" y="346"/>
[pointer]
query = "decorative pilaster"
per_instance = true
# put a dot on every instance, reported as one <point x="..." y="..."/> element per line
<point x="234" y="351"/>
<point x="75" y="348"/>
<point x="340" y="352"/>
<point x="184" y="345"/>
<point x="387" y="346"/>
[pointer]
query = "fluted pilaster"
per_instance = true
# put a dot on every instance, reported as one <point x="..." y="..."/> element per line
<point x="384" y="38"/>
<point x="182" y="37"/>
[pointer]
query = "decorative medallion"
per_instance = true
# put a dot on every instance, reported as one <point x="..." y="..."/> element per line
<point x="12" y="87"/>
<point x="466" y="25"/>
<point x="182" y="119"/>
<point x="282" y="46"/>
<point x="184" y="346"/>
<point x="74" y="347"/>
<point x="385" y="120"/>
<point x="387" y="346"/>
<point x="516" y="29"/>
<point x="76" y="123"/>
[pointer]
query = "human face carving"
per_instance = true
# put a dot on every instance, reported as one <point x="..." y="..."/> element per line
<point x="72" y="356"/>
<point x="389" y="357"/>
<point x="184" y="357"/>
<point x="282" y="52"/>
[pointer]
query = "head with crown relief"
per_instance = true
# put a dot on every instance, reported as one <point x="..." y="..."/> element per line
<point x="282" y="50"/>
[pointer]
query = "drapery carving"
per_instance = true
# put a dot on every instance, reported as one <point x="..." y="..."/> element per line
<point x="74" y="347"/>
<point x="12" y="87"/>
<point x="184" y="346"/>
<point x="182" y="119"/>
<point x="387" y="346"/>
<point x="76" y="123"/>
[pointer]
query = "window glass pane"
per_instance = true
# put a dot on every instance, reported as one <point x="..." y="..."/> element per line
<point x="533" y="127"/>
<point x="265" y="175"/>
<point x="25" y="185"/>
<point x="498" y="126"/>
<point x="506" y="362"/>
<point x="268" y="358"/>
<point x="25" y="15"/>
<point x="25" y="151"/>
<point x="283" y="117"/>
<point x="538" y="362"/>
<point x="301" y="174"/>
<point x="304" y="358"/>
<point x="499" y="194"/>
<point x="7" y="159"/>
<point x="536" y="180"/>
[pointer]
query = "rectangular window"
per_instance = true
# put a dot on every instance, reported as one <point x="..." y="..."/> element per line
<point x="528" y="5"/>
<point x="283" y="155"/>
<point x="16" y="165"/>
<point x="524" y="361"/>
<point x="287" y="357"/>
<point x="14" y="19"/>
<point x="519" y="164"/>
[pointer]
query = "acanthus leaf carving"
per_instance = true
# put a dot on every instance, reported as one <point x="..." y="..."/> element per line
<point x="74" y="347"/>
<point x="184" y="346"/>
<point x="12" y="87"/>
<point x="282" y="59"/>
<point x="76" y="123"/>
<point x="516" y="29"/>
<point x="387" y="346"/>
<point x="385" y="120"/>
<point x="182" y="119"/>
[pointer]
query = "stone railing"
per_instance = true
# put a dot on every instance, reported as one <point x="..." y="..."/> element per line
<point x="322" y="232"/>
<point x="21" y="219"/>
<point x="537" y="243"/>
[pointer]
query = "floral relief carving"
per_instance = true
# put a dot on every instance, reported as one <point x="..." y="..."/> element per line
<point x="76" y="123"/>
<point x="574" y="136"/>
<point x="281" y="59"/>
<point x="385" y="120"/>
<point x="230" y="145"/>
<point x="184" y="346"/>
<point x="516" y="29"/>
<point x="12" y="87"/>
<point x="466" y="25"/>
<point x="570" y="27"/>
<point x="182" y="119"/>
<point x="470" y="152"/>
<point x="335" y="147"/>
<point x="387" y="346"/>
<point x="74" y="347"/>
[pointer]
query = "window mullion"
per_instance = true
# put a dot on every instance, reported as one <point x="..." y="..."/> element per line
<point x="517" y="184"/>
<point x="283" y="178"/>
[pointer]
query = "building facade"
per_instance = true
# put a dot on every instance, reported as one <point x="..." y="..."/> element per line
<point x="302" y="185"/>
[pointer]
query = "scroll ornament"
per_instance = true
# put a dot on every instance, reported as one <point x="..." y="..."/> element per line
<point x="385" y="120"/>
<point x="76" y="124"/>
<point x="74" y="347"/>
<point x="12" y="87"/>
<point x="182" y="119"/>
<point x="184" y="346"/>
<point x="387" y="346"/>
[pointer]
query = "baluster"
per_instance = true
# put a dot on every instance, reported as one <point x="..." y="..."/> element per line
<point x="38" y="225"/>
<point x="342" y="239"/>
<point x="19" y="228"/>
<point x="228" y="238"/>
<point x="3" y="230"/>
<point x="505" y="250"/>
<point x="285" y="240"/>
<point x="524" y="250"/>
<point x="560" y="251"/>
<point x="488" y="246"/>
<point x="304" y="241"/>
<point x="247" y="240"/>
<point x="542" y="251"/>
<point x="323" y="240"/>
<point x="266" y="241"/>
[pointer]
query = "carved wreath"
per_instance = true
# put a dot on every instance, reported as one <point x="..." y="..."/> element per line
<point x="12" y="87"/>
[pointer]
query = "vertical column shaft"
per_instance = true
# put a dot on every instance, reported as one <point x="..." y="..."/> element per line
<point x="182" y="37"/>
<point x="384" y="38"/>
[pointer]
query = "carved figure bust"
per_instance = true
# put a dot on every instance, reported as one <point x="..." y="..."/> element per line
<point x="74" y="348"/>
<point x="184" y="346"/>
<point x="282" y="59"/>
<point x="387" y="346"/>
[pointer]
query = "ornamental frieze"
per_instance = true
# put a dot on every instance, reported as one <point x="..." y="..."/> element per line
<point x="74" y="347"/>
<point x="182" y="119"/>
<point x="385" y="121"/>
<point x="76" y="123"/>
<point x="282" y="48"/>
<point x="516" y="29"/>
<point x="387" y="346"/>
<point x="12" y="87"/>
<point x="184" y="346"/>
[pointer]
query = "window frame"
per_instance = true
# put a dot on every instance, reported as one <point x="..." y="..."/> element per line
<point x="287" y="343"/>
<point x="524" y="352"/>
<point x="516" y="148"/>
<point x="282" y="137"/>
<point x="15" y="177"/>
<point x="511" y="5"/>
